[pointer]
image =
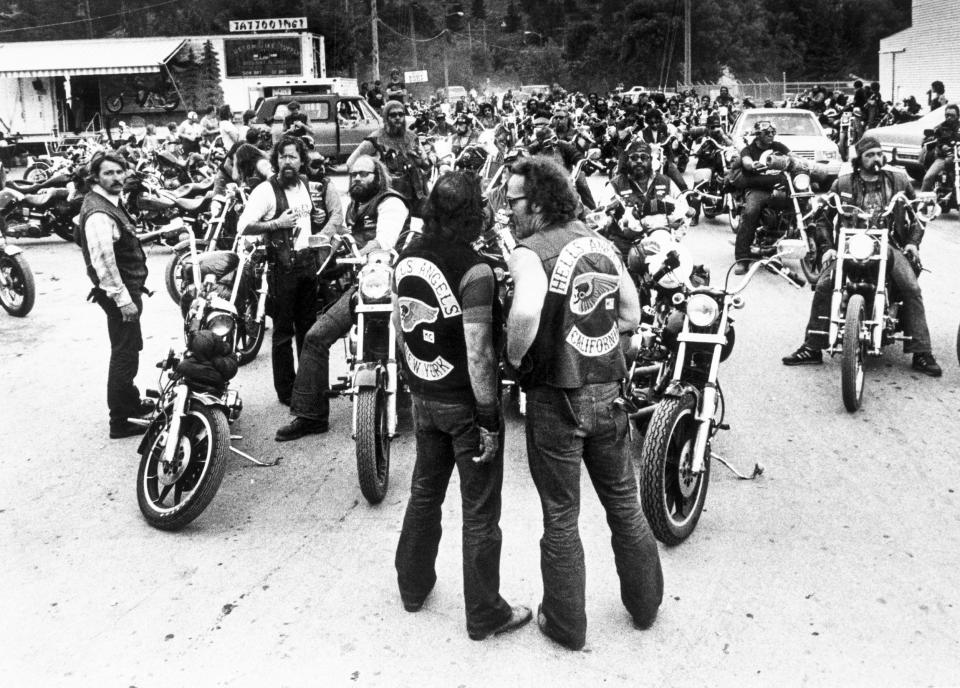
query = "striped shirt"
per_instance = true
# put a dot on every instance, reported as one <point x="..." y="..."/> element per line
<point x="101" y="232"/>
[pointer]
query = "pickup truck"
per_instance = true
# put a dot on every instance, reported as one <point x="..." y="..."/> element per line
<point x="338" y="123"/>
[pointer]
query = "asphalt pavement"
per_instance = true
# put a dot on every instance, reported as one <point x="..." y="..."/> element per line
<point x="838" y="566"/>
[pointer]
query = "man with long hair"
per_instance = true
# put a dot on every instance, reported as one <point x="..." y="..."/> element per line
<point x="448" y="319"/>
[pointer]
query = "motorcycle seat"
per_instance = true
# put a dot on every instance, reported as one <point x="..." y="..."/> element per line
<point x="43" y="200"/>
<point x="190" y="205"/>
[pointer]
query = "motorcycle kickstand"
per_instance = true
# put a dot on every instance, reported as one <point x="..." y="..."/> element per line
<point x="249" y="458"/>
<point x="757" y="468"/>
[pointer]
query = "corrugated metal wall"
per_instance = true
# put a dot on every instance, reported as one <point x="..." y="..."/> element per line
<point x="929" y="50"/>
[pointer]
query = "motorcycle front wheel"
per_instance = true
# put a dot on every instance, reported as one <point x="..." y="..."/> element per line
<point x="851" y="365"/>
<point x="171" y="496"/>
<point x="672" y="496"/>
<point x="174" y="275"/>
<point x="114" y="104"/>
<point x="18" y="289"/>
<point x="250" y="330"/>
<point x="373" y="444"/>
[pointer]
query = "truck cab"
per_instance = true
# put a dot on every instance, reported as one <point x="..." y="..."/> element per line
<point x="338" y="123"/>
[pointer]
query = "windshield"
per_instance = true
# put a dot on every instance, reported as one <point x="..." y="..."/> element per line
<point x="787" y="123"/>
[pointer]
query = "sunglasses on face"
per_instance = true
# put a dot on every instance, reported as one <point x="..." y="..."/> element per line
<point x="513" y="201"/>
<point x="640" y="157"/>
<point x="395" y="115"/>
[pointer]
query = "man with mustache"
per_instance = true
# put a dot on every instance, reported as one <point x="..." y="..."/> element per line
<point x="117" y="267"/>
<point x="870" y="187"/>
<point x="448" y="320"/>
<point x="375" y="217"/>
<point x="287" y="211"/>
<point x="566" y="350"/>
<point x="399" y="149"/>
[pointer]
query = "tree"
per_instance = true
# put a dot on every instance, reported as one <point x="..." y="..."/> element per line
<point x="478" y="10"/>
<point x="187" y="73"/>
<point x="211" y="93"/>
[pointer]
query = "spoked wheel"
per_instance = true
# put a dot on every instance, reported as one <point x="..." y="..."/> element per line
<point x="672" y="496"/>
<point x="734" y="211"/>
<point x="175" y="274"/>
<point x="851" y="367"/>
<point x="373" y="444"/>
<point x="172" y="495"/>
<point x="250" y="330"/>
<point x="18" y="290"/>
<point x="37" y="172"/>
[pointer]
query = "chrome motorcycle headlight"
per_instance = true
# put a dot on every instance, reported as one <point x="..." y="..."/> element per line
<point x="221" y="325"/>
<point x="702" y="310"/>
<point x="861" y="246"/>
<point x="801" y="182"/>
<point x="375" y="284"/>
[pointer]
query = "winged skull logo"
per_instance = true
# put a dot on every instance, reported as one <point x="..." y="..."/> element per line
<point x="589" y="289"/>
<point x="414" y="312"/>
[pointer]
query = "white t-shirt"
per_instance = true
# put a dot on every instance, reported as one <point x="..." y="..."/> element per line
<point x="262" y="205"/>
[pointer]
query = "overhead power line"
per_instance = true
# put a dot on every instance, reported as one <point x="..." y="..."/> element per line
<point x="89" y="19"/>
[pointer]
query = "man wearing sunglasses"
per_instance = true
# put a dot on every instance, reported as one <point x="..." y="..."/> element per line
<point x="759" y="188"/>
<point x="399" y="149"/>
<point x="644" y="193"/>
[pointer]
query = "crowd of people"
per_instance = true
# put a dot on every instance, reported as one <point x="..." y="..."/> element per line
<point x="568" y="354"/>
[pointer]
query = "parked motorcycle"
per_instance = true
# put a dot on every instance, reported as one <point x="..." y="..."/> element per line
<point x="373" y="379"/>
<point x="39" y="215"/>
<point x="947" y="185"/>
<point x="673" y="393"/>
<point x="18" y="289"/>
<point x="865" y="307"/>
<point x="183" y="454"/>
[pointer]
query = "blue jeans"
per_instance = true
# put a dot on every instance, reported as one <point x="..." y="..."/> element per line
<point x="913" y="315"/>
<point x="447" y="436"/>
<point x="309" y="397"/>
<point x="565" y="428"/>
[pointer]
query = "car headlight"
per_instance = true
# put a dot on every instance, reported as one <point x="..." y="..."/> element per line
<point x="861" y="246"/>
<point x="375" y="284"/>
<point x="828" y="155"/>
<point x="222" y="325"/>
<point x="801" y="182"/>
<point x="702" y="310"/>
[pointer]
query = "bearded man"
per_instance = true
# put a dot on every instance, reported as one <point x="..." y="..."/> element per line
<point x="375" y="217"/>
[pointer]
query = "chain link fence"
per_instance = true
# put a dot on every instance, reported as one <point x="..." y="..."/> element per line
<point x="760" y="91"/>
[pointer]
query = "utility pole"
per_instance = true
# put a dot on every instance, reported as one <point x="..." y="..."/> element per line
<point x="413" y="38"/>
<point x="375" y="40"/>
<point x="686" y="42"/>
<point x="89" y="19"/>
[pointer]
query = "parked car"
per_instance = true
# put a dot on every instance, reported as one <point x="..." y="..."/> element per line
<point x="453" y="94"/>
<point x="338" y="123"/>
<point x="901" y="142"/>
<point x="797" y="129"/>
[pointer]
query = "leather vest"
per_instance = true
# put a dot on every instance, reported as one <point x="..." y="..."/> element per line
<point x="362" y="218"/>
<point x="280" y="243"/>
<point x="431" y="318"/>
<point x="131" y="261"/>
<point x="655" y="200"/>
<point x="578" y="342"/>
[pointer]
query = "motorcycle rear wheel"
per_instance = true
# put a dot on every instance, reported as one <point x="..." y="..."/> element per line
<point x="37" y="172"/>
<point x="671" y="496"/>
<point x="851" y="366"/>
<point x="733" y="213"/>
<point x="18" y="297"/>
<point x="373" y="444"/>
<point x="204" y="442"/>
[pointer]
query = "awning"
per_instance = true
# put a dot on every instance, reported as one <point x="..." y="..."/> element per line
<point x="32" y="59"/>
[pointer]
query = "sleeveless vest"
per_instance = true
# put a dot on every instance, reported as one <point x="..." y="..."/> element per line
<point x="131" y="261"/>
<point x="362" y="218"/>
<point x="578" y="342"/>
<point x="655" y="200"/>
<point x="431" y="317"/>
<point x="280" y="243"/>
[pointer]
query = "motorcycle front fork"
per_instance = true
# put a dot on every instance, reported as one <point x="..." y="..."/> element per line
<point x="181" y="393"/>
